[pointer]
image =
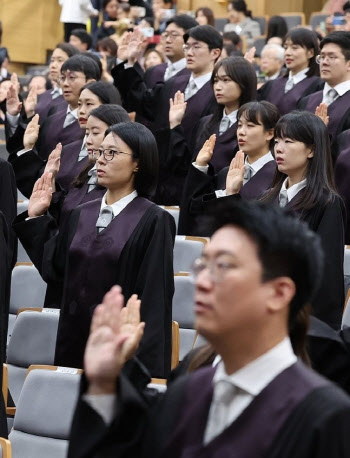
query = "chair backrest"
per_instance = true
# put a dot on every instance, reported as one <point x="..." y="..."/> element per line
<point x="259" y="43"/>
<point x="186" y="250"/>
<point x="183" y="311"/>
<point x="262" y="20"/>
<point x="294" y="19"/>
<point x="345" y="322"/>
<point x="175" y="212"/>
<point x="22" y="206"/>
<point x="316" y="18"/>
<point x="347" y="260"/>
<point x="33" y="341"/>
<point x="22" y="255"/>
<point x="44" y="413"/>
<point x="220" y="23"/>
<point x="27" y="288"/>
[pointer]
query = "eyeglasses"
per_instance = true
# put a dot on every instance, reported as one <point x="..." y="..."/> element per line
<point x="69" y="77"/>
<point x="322" y="57"/>
<point x="195" y="48"/>
<point x="218" y="268"/>
<point x="108" y="154"/>
<point x="172" y="35"/>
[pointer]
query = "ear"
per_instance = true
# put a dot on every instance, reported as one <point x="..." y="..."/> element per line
<point x="270" y="134"/>
<point x="310" y="53"/>
<point x="215" y="53"/>
<point x="311" y="153"/>
<point x="282" y="292"/>
<point x="90" y="80"/>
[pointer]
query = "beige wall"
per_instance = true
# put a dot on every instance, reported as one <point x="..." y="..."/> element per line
<point x="30" y="29"/>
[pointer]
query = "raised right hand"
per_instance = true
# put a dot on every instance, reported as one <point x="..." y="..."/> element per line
<point x="40" y="199"/>
<point x="235" y="175"/>
<point x="31" y="133"/>
<point x="13" y="105"/>
<point x="177" y="109"/>
<point x="54" y="161"/>
<point x="115" y="334"/>
<point x="206" y="153"/>
<point x="134" y="46"/>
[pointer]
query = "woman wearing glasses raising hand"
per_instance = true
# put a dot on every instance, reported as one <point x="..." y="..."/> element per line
<point x="121" y="239"/>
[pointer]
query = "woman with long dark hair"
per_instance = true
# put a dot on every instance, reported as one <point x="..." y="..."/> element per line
<point x="277" y="29"/>
<point x="304" y="183"/>
<point x="302" y="76"/>
<point x="121" y="239"/>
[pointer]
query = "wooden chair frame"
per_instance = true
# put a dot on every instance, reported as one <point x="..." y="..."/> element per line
<point x="5" y="445"/>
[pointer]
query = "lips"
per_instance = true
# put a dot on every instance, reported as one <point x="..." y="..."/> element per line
<point x="201" y="307"/>
<point x="100" y="172"/>
<point x="279" y="160"/>
<point x="82" y="120"/>
<point x="289" y="61"/>
<point x="241" y="142"/>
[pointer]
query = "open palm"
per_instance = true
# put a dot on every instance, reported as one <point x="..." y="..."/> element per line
<point x="41" y="196"/>
<point x="235" y="175"/>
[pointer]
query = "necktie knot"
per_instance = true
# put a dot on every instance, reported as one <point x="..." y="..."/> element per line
<point x="190" y="90"/>
<point x="70" y="118"/>
<point x="224" y="391"/>
<point x="106" y="216"/>
<point x="224" y="125"/>
<point x="331" y="96"/>
<point x="283" y="198"/>
<point x="248" y="172"/>
<point x="83" y="153"/>
<point x="289" y="85"/>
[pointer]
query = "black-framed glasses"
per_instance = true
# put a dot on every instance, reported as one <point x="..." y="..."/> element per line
<point x="70" y="77"/>
<point x="108" y="154"/>
<point x="172" y="35"/>
<point x="218" y="267"/>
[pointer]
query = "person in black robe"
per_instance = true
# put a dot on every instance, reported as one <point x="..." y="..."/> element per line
<point x="27" y="163"/>
<point x="124" y="239"/>
<point x="301" y="48"/>
<point x="255" y="133"/>
<point x="260" y="269"/>
<point x="334" y="68"/>
<point x="154" y="104"/>
<point x="342" y="174"/>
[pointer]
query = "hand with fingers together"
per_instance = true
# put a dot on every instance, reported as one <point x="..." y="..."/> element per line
<point x="115" y="335"/>
<point x="123" y="46"/>
<point x="249" y="55"/>
<point x="31" y="102"/>
<point x="206" y="153"/>
<point x="40" y="199"/>
<point x="177" y="109"/>
<point x="53" y="164"/>
<point x="31" y="133"/>
<point x="134" y="46"/>
<point x="322" y="112"/>
<point x="235" y="175"/>
<point x="13" y="105"/>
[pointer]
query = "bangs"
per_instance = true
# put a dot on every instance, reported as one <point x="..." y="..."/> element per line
<point x="251" y="113"/>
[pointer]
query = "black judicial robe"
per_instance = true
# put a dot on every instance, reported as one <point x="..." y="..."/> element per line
<point x="28" y="167"/>
<point x="273" y="91"/>
<point x="155" y="74"/>
<point x="298" y="414"/>
<point x="199" y="194"/>
<point x="342" y="175"/>
<point x="135" y="251"/>
<point x="338" y="112"/>
<point x="8" y="205"/>
<point x="47" y="105"/>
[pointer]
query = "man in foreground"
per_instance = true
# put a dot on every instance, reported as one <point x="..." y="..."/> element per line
<point x="255" y="278"/>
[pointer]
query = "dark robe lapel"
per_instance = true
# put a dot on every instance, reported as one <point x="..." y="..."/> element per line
<point x="225" y="148"/>
<point x="70" y="166"/>
<point x="260" y="182"/>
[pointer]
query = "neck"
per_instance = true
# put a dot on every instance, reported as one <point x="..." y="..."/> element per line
<point x="197" y="73"/>
<point x="254" y="156"/>
<point x="335" y="83"/>
<point x="241" y="17"/>
<point x="73" y="106"/>
<point x="229" y="108"/>
<point x="298" y="70"/>
<point x="174" y="59"/>
<point x="294" y="179"/>
<point x="113" y="195"/>
<point x="231" y="352"/>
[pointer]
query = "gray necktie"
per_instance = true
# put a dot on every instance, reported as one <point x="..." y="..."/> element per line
<point x="83" y="153"/>
<point x="224" y="125"/>
<point x="190" y="90"/>
<point x="70" y="118"/>
<point x="248" y="172"/>
<point x="55" y="93"/>
<point x="283" y="198"/>
<point x="330" y="96"/>
<point x="289" y="85"/>
<point x="105" y="218"/>
<point x="169" y="72"/>
<point x="93" y="179"/>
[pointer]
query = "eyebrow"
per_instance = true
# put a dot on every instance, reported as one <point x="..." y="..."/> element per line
<point x="219" y="253"/>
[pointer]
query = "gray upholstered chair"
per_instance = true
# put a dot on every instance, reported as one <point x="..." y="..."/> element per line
<point x="33" y="341"/>
<point x="27" y="291"/>
<point x="186" y="250"/>
<point x="44" y="413"/>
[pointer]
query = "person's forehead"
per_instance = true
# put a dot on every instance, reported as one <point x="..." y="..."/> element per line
<point x="231" y="240"/>
<point x="72" y="72"/>
<point x="331" y="48"/>
<point x="174" y="28"/>
<point x="194" y="40"/>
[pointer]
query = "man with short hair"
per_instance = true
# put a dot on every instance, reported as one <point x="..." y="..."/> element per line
<point x="334" y="61"/>
<point x="271" y="61"/>
<point x="80" y="39"/>
<point x="255" y="277"/>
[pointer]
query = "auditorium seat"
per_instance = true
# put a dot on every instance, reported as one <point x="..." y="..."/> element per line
<point x="175" y="212"/>
<point x="27" y="291"/>
<point x="186" y="250"/>
<point x="259" y="43"/>
<point x="294" y="19"/>
<point x="44" y="413"/>
<point x="22" y="206"/>
<point x="183" y="312"/>
<point x="263" y="20"/>
<point x="316" y="18"/>
<point x="33" y="341"/>
<point x="220" y="23"/>
<point x="5" y="448"/>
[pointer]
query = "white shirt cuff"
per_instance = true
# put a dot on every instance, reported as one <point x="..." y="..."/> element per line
<point x="201" y="168"/>
<point x="103" y="405"/>
<point x="22" y="151"/>
<point x="220" y="193"/>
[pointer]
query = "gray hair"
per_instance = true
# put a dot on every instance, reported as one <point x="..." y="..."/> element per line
<point x="279" y="51"/>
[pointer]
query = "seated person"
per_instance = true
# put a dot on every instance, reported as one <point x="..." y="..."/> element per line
<point x="80" y="39"/>
<point x="271" y="61"/>
<point x="241" y="21"/>
<point x="253" y="282"/>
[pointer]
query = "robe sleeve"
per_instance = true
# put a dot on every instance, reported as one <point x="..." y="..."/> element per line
<point x="28" y="167"/>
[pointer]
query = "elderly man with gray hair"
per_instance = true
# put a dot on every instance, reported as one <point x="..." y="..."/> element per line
<point x="272" y="60"/>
